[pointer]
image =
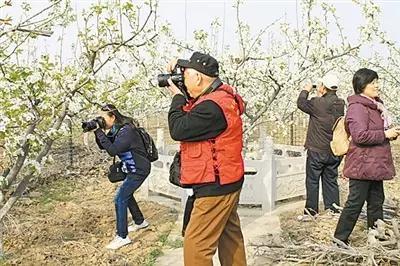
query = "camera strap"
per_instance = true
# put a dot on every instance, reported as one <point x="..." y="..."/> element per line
<point x="213" y="86"/>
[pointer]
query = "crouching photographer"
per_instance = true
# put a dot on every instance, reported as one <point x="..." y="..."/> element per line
<point x="116" y="134"/>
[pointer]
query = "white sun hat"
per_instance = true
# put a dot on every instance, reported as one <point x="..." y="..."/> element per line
<point x="330" y="81"/>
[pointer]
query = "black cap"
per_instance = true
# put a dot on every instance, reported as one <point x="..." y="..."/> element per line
<point x="203" y="63"/>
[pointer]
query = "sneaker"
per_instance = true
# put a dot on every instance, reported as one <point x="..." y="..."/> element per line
<point x="333" y="214"/>
<point x="306" y="218"/>
<point x="336" y="208"/>
<point x="341" y="244"/>
<point x="118" y="242"/>
<point x="135" y="227"/>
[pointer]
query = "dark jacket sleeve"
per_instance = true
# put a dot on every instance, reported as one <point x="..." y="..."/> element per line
<point x="357" y="119"/>
<point x="205" y="121"/>
<point x="122" y="142"/>
<point x="304" y="104"/>
<point x="98" y="142"/>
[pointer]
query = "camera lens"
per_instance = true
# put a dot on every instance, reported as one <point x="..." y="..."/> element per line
<point x="163" y="80"/>
<point x="89" y="125"/>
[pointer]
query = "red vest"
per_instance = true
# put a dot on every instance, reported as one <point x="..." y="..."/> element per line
<point x="204" y="161"/>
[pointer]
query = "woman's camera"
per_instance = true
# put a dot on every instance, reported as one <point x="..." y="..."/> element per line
<point x="92" y="124"/>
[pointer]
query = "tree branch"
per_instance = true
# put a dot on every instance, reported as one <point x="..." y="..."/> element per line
<point x="18" y="165"/>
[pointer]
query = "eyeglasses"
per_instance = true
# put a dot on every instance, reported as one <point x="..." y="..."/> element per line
<point x="107" y="108"/>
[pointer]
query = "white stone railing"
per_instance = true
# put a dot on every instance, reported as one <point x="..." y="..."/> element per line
<point x="278" y="174"/>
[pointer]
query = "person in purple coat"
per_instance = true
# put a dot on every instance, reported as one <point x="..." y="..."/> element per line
<point x="369" y="159"/>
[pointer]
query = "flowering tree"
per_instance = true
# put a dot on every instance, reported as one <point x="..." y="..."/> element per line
<point x="37" y="96"/>
<point x="385" y="58"/>
<point x="269" y="79"/>
<point x="122" y="47"/>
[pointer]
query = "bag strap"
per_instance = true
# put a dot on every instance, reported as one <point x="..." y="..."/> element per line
<point x="336" y="122"/>
<point x="138" y="131"/>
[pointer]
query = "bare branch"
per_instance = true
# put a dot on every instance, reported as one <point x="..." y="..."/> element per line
<point x="15" y="48"/>
<point x="25" y="22"/>
<point x="342" y="54"/>
<point x="22" y="26"/>
<point x="36" y="32"/>
<point x="184" y="46"/>
<point x="124" y="43"/>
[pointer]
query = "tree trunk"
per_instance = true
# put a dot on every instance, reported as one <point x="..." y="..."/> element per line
<point x="71" y="144"/>
<point x="14" y="197"/>
<point x="1" y="241"/>
<point x="18" y="165"/>
<point x="25" y="180"/>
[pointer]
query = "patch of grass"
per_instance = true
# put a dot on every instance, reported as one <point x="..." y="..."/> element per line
<point x="156" y="252"/>
<point x="152" y="257"/>
<point x="46" y="208"/>
<point x="3" y="261"/>
<point x="163" y="238"/>
<point x="68" y="235"/>
<point x="59" y="191"/>
<point x="177" y="243"/>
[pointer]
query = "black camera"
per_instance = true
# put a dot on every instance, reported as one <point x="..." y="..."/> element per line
<point x="92" y="124"/>
<point x="176" y="77"/>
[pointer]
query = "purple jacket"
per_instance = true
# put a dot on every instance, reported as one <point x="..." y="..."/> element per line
<point x="369" y="156"/>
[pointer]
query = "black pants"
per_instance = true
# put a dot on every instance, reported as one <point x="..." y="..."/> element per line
<point x="324" y="166"/>
<point x="188" y="211"/>
<point x="359" y="192"/>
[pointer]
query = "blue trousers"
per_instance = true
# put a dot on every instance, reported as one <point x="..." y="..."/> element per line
<point x="125" y="200"/>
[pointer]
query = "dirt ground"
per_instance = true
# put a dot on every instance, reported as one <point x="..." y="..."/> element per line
<point x="317" y="236"/>
<point x="69" y="219"/>
<point x="321" y="231"/>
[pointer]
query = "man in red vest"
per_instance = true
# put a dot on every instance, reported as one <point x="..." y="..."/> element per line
<point x="209" y="128"/>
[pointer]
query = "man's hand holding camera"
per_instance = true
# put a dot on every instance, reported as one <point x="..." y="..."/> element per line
<point x="171" y="65"/>
<point x="308" y="87"/>
<point x="172" y="88"/>
<point x="173" y="81"/>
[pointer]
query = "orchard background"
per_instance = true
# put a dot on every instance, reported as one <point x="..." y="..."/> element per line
<point x="121" y="46"/>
